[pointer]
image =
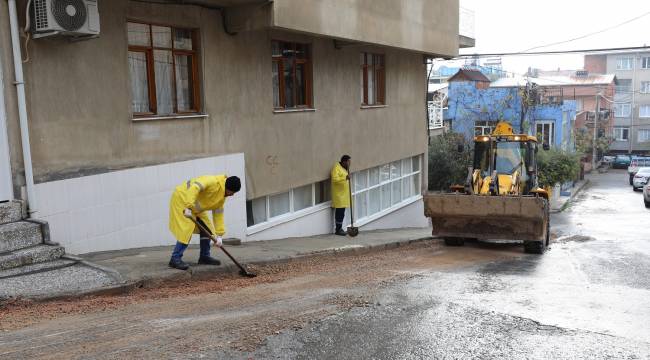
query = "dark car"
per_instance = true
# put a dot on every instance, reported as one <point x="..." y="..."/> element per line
<point x="621" y="162"/>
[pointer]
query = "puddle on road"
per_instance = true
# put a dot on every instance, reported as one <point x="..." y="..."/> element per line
<point x="574" y="238"/>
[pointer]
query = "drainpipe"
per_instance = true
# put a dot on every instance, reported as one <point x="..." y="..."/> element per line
<point x="22" y="107"/>
<point x="5" y="167"/>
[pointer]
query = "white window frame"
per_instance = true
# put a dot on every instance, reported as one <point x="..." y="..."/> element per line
<point x="547" y="124"/>
<point x="645" y="62"/>
<point x="645" y="137"/>
<point x="403" y="202"/>
<point x="628" y="60"/>
<point x="618" y="133"/>
<point x="486" y="127"/>
<point x="618" y="110"/>
<point x="272" y="221"/>
<point x="645" y="87"/>
<point x="646" y="113"/>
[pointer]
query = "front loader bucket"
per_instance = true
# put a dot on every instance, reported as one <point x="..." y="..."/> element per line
<point x="487" y="217"/>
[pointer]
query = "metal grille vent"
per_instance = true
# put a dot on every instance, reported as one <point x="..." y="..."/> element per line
<point x="40" y="14"/>
<point x="69" y="14"/>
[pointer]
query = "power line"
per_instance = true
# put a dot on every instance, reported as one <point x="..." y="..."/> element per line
<point x="557" y="52"/>
<point x="592" y="33"/>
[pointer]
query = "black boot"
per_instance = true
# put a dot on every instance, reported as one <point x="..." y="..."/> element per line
<point x="341" y="232"/>
<point x="208" y="260"/>
<point x="178" y="264"/>
<point x="205" y="258"/>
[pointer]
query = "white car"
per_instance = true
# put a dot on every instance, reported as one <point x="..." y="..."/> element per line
<point x="646" y="195"/>
<point x="641" y="178"/>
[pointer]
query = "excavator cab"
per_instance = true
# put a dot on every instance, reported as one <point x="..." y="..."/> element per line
<point x="509" y="161"/>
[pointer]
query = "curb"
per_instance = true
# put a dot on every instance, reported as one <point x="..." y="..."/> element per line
<point x="570" y="199"/>
<point x="202" y="273"/>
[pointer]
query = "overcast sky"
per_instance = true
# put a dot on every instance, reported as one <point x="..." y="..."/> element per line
<point x="517" y="25"/>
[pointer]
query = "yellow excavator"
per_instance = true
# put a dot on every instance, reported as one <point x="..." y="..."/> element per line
<point x="500" y="199"/>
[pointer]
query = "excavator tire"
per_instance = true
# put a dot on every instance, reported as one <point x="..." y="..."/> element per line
<point x="454" y="241"/>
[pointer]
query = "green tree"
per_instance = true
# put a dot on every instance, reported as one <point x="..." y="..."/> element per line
<point x="557" y="166"/>
<point x="448" y="166"/>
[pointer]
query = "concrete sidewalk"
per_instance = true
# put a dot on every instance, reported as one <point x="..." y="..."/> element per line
<point x="564" y="201"/>
<point x="148" y="266"/>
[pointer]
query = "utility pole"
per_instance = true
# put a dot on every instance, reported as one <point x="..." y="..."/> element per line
<point x="594" y="142"/>
<point x="630" y="137"/>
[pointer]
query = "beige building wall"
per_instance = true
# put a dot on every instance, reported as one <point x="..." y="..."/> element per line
<point x="78" y="97"/>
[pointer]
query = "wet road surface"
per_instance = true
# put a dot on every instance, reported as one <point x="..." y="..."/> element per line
<point x="588" y="297"/>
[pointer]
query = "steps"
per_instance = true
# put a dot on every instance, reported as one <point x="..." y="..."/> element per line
<point x="22" y="246"/>
<point x="19" y="235"/>
<point x="10" y="212"/>
<point x="30" y="255"/>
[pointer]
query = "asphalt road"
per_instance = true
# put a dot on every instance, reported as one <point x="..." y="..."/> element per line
<point x="588" y="297"/>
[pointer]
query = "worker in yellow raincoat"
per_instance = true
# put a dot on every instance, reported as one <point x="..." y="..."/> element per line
<point x="194" y="198"/>
<point x="340" y="192"/>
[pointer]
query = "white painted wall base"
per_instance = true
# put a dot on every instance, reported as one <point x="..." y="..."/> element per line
<point x="130" y="208"/>
<point x="410" y="216"/>
<point x="322" y="222"/>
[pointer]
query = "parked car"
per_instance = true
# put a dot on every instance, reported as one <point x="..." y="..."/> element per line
<point x="636" y="163"/>
<point x="646" y="195"/>
<point x="621" y="161"/>
<point x="641" y="178"/>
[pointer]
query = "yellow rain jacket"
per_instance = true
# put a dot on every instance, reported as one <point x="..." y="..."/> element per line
<point x="340" y="187"/>
<point x="201" y="194"/>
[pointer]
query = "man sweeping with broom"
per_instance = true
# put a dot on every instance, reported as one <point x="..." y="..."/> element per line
<point x="193" y="199"/>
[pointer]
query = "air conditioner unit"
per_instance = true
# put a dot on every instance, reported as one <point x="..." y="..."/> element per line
<point x="78" y="18"/>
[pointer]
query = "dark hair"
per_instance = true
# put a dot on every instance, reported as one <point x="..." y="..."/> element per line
<point x="233" y="184"/>
<point x="345" y="158"/>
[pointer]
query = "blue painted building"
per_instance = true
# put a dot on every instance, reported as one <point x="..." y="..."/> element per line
<point x="474" y="108"/>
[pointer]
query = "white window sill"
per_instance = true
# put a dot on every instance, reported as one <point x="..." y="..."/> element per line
<point x="373" y="106"/>
<point x="283" y="111"/>
<point x="170" y="117"/>
<point x="368" y="219"/>
<point x="278" y="220"/>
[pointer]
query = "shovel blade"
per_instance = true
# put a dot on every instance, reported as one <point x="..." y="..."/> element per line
<point x="353" y="231"/>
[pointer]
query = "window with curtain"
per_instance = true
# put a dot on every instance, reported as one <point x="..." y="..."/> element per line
<point x="291" y="75"/>
<point x="373" y="79"/>
<point x="163" y="68"/>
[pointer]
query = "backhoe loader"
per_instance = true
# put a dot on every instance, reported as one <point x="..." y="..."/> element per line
<point x="500" y="199"/>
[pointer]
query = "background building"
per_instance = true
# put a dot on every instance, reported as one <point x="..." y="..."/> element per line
<point x="631" y="128"/>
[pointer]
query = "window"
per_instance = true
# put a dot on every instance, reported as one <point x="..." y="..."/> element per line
<point x="163" y="68"/>
<point x="645" y="62"/>
<point x="264" y="208"/>
<point x="382" y="187"/>
<point x="624" y="85"/>
<point x="373" y="79"/>
<point x="291" y="67"/>
<point x="644" y="111"/>
<point x="624" y="63"/>
<point x="645" y="87"/>
<point x="644" y="135"/>
<point x="545" y="131"/>
<point x="622" y="110"/>
<point x="621" y="134"/>
<point x="484" y="127"/>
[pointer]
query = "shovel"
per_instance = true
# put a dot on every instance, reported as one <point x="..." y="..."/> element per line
<point x="352" y="230"/>
<point x="206" y="230"/>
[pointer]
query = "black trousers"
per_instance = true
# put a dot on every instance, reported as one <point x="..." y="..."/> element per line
<point x="339" y="215"/>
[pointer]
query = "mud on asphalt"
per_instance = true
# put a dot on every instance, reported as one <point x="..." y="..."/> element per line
<point x="282" y="296"/>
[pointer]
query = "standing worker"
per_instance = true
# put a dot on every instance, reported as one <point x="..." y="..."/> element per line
<point x="195" y="198"/>
<point x="340" y="192"/>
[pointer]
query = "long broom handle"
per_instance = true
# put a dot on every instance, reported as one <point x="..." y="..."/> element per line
<point x="207" y="231"/>
<point x="351" y="208"/>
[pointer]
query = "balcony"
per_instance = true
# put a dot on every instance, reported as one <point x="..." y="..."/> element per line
<point x="466" y="31"/>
